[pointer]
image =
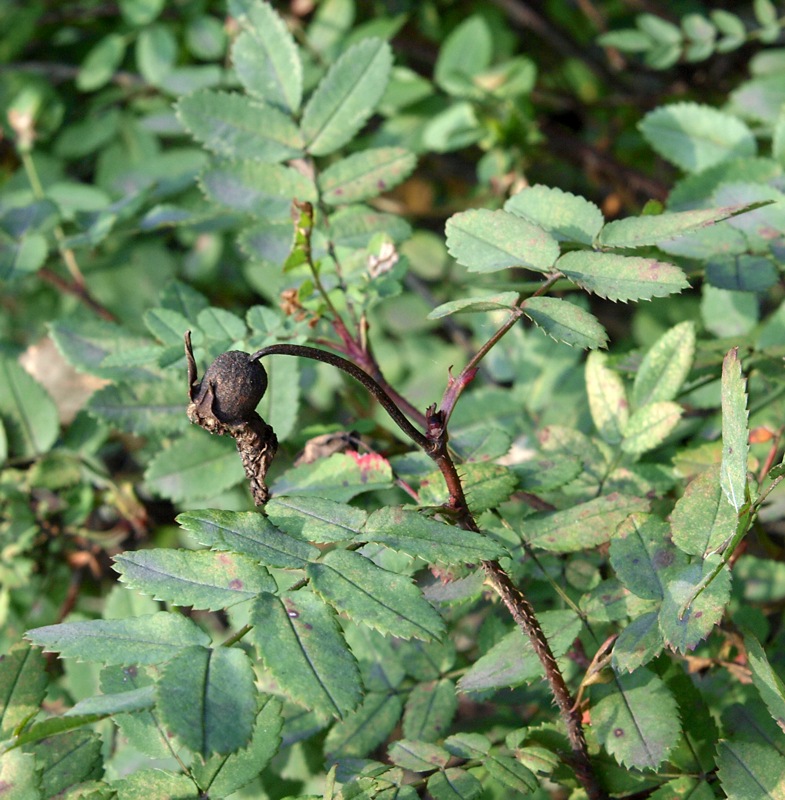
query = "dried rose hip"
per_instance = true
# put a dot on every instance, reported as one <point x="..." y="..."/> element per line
<point x="236" y="383"/>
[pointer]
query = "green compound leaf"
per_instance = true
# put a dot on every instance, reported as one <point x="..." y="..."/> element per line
<point x="431" y="540"/>
<point x="372" y="596"/>
<point x="489" y="241"/>
<point x="250" y="533"/>
<point x="566" y="322"/>
<point x="454" y="784"/>
<point x="315" y="519"/>
<point x="766" y="681"/>
<point x="638" y="643"/>
<point x="649" y="426"/>
<point x="568" y="217"/>
<point x="653" y="229"/>
<point x="346" y="96"/>
<point x="150" y="639"/>
<point x="607" y="398"/>
<point x="365" y="174"/>
<point x="665" y="366"/>
<point x="418" y="756"/>
<point x="750" y="770"/>
<point x="735" y="433"/>
<point x="364" y="729"/>
<point x="195" y="467"/>
<point x="234" y="126"/>
<point x="703" y="519"/>
<point x="255" y="187"/>
<point x="641" y="554"/>
<point x="102" y="705"/>
<point x="704" y="612"/>
<point x="512" y="661"/>
<point x="636" y="719"/>
<point x="221" y="775"/>
<point x="695" y="137"/>
<point x="302" y="646"/>
<point x="266" y="57"/>
<point x="473" y="305"/>
<point x="621" y="278"/>
<point x="23" y="684"/>
<point x="27" y="412"/>
<point x="582" y="526"/>
<point x="198" y="578"/>
<point x="429" y="710"/>
<point x="207" y="698"/>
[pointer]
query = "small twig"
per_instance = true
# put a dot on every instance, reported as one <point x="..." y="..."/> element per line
<point x="358" y="374"/>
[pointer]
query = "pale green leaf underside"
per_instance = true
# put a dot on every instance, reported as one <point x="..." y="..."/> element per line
<point x="207" y="698"/>
<point x="346" y="96"/>
<point x="607" y="398"/>
<point x="649" y="426"/>
<point x="665" y="366"/>
<point x="566" y="322"/>
<point x="250" y="533"/>
<point x="301" y="644"/>
<point x="490" y="302"/>
<point x="365" y="174"/>
<point x="568" y="217"/>
<point x="636" y="719"/>
<point x="203" y="579"/>
<point x="695" y="137"/>
<point x="372" y="596"/>
<point x="584" y="525"/>
<point x="621" y="278"/>
<point x="149" y="639"/>
<point x="703" y="519"/>
<point x="656" y="228"/>
<point x="102" y="705"/>
<point x="234" y="126"/>
<point x="266" y="58"/>
<point x="735" y="433"/>
<point x="489" y="241"/>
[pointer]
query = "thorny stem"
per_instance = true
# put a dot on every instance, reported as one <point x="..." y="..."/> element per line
<point x="434" y="443"/>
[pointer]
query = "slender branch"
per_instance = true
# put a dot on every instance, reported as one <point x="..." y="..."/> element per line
<point x="358" y="374"/>
<point x="456" y="386"/>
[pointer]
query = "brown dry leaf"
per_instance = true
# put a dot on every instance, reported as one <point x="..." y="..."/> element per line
<point x="69" y="389"/>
